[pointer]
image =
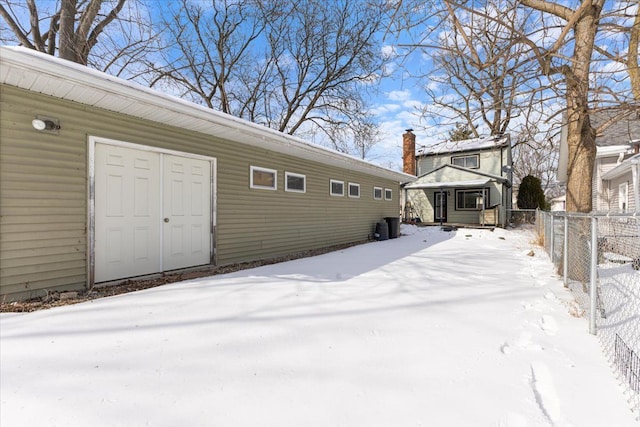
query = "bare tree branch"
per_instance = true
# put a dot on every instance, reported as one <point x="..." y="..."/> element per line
<point x="18" y="31"/>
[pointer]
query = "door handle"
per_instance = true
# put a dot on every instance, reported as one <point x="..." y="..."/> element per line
<point x="166" y="220"/>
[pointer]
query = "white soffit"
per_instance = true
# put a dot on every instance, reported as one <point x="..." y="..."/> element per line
<point x="42" y="73"/>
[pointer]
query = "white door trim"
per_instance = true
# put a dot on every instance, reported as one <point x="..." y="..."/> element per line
<point x="91" y="148"/>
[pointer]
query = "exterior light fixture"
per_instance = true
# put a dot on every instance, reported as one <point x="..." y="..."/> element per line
<point x="45" y="125"/>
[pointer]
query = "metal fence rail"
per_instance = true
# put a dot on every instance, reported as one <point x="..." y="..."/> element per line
<point x="598" y="257"/>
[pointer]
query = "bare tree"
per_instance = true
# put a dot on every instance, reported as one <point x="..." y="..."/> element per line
<point x="536" y="153"/>
<point x="582" y="24"/>
<point x="484" y="86"/>
<point x="357" y="137"/>
<point x="557" y="45"/>
<point x="619" y="30"/>
<point x="483" y="77"/>
<point x="209" y="50"/>
<point x="460" y="132"/>
<point x="76" y="30"/>
<point x="295" y="67"/>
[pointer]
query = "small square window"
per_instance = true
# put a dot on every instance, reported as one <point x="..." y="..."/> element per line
<point x="388" y="194"/>
<point x="295" y="182"/>
<point x="263" y="178"/>
<point x="377" y="193"/>
<point x="337" y="188"/>
<point x="354" y="190"/>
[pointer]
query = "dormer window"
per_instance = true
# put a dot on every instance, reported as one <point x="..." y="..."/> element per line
<point x="470" y="161"/>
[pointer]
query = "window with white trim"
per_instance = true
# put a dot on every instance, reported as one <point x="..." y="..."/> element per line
<point x="295" y="182"/>
<point x="263" y="178"/>
<point x="354" y="190"/>
<point x="388" y="194"/>
<point x="377" y="193"/>
<point x="472" y="199"/>
<point x="470" y="161"/>
<point x="623" y="196"/>
<point x="336" y="188"/>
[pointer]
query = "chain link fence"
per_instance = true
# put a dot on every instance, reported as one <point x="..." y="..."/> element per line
<point x="598" y="257"/>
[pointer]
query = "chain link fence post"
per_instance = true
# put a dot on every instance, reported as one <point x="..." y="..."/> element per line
<point x="565" y="253"/>
<point x="593" y="293"/>
<point x="601" y="269"/>
<point x="552" y="235"/>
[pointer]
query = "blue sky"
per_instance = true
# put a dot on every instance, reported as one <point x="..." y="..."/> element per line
<point x="397" y="102"/>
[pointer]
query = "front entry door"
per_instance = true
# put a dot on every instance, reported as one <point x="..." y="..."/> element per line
<point x="440" y="207"/>
<point x="152" y="212"/>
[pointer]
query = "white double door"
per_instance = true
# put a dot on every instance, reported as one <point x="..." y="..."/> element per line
<point x="152" y="212"/>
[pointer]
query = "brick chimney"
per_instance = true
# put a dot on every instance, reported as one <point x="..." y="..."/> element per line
<point x="409" y="152"/>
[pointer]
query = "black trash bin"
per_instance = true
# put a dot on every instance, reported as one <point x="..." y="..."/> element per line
<point x="394" y="226"/>
<point x="382" y="231"/>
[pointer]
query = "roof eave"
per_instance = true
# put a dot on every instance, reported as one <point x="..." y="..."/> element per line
<point x="36" y="71"/>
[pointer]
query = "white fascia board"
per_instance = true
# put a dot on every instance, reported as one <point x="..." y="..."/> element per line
<point x="612" y="150"/>
<point x="26" y="68"/>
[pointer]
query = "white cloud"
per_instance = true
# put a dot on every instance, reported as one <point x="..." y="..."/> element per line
<point x="399" y="95"/>
<point x="389" y="51"/>
<point x="384" y="109"/>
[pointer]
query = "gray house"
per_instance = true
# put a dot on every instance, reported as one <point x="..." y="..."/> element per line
<point x="102" y="180"/>
<point x="462" y="182"/>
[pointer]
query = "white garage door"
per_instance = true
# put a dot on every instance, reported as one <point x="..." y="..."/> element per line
<point x="152" y="212"/>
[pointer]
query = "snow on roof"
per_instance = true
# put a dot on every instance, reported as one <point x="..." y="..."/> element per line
<point x="38" y="72"/>
<point x="466" y="145"/>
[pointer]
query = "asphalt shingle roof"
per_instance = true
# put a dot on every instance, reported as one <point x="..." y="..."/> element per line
<point x="620" y="133"/>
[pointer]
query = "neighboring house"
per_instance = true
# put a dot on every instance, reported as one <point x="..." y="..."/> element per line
<point x="621" y="186"/>
<point x="461" y="182"/>
<point x="102" y="180"/>
<point x="615" y="176"/>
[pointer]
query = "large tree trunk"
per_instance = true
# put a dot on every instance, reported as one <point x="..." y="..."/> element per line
<point x="581" y="136"/>
<point x="67" y="32"/>
<point x="582" y="153"/>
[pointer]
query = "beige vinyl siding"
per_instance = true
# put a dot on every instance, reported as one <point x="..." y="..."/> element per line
<point x="255" y="224"/>
<point x="42" y="205"/>
<point x="491" y="161"/>
<point x="43" y="194"/>
<point x="422" y="201"/>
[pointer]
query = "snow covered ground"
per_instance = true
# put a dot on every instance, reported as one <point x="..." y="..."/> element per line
<point x="430" y="329"/>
